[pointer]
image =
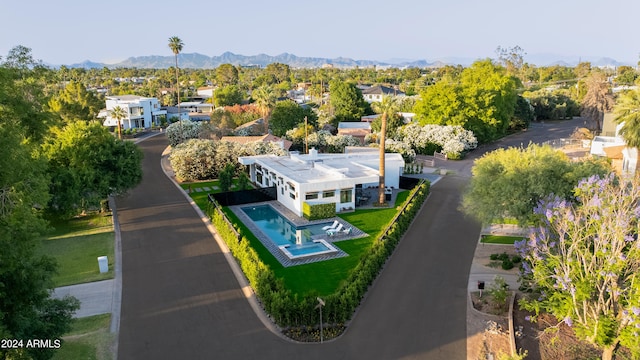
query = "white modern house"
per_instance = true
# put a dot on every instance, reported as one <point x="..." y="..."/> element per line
<point x="322" y="178"/>
<point x="141" y="112"/>
<point x="623" y="158"/>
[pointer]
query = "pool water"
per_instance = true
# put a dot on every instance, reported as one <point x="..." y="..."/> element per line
<point x="298" y="241"/>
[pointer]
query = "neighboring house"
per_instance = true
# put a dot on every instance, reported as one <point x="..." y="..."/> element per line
<point x="173" y="115"/>
<point x="322" y="178"/>
<point x="623" y="159"/>
<point x="206" y="91"/>
<point x="358" y="130"/>
<point x="142" y="112"/>
<point x="376" y="93"/>
<point x="283" y="143"/>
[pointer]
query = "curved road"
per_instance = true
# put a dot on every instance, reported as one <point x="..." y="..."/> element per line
<point x="180" y="299"/>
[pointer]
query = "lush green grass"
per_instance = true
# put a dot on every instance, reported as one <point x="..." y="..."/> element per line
<point x="89" y="338"/>
<point x="325" y="277"/>
<point x="498" y="239"/>
<point x="76" y="245"/>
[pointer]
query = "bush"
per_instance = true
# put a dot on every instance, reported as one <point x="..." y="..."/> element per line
<point x="507" y="264"/>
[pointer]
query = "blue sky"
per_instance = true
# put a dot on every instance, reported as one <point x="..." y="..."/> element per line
<point x="69" y="31"/>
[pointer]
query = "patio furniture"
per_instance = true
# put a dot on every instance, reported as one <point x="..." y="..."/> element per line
<point x="332" y="226"/>
<point x="332" y="232"/>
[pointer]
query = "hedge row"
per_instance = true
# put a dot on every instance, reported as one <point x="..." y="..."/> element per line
<point x="287" y="310"/>
<point x="318" y="211"/>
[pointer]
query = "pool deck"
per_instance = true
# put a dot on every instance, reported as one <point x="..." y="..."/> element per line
<point x="297" y="221"/>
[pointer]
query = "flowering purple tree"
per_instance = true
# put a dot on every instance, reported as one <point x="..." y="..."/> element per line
<point x="583" y="262"/>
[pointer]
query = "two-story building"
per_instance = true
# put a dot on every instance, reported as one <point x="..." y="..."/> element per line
<point x="322" y="178"/>
<point x="376" y="93"/>
<point x="141" y="112"/>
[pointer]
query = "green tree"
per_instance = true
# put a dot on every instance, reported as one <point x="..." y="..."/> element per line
<point x="347" y="101"/>
<point x="482" y="100"/>
<point x="76" y="103"/>
<point x="626" y="75"/>
<point x="22" y="84"/>
<point x="597" y="100"/>
<point x="627" y="112"/>
<point x="226" y="177"/>
<point x="287" y="115"/>
<point x="26" y="309"/>
<point x="264" y="98"/>
<point x="118" y="113"/>
<point x="583" y="260"/>
<point x="278" y="72"/>
<point x="87" y="164"/>
<point x="228" y="96"/>
<point x="227" y="74"/>
<point x="513" y="60"/>
<point x="509" y="183"/>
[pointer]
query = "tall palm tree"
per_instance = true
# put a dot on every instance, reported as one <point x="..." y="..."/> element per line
<point x="118" y="113"/>
<point x="387" y="108"/>
<point x="265" y="99"/>
<point x="176" y="45"/>
<point x="627" y="111"/>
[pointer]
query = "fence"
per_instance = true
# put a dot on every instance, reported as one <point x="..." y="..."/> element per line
<point x="245" y="196"/>
<point x="440" y="156"/>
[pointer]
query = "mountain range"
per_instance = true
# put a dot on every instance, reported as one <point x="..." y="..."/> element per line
<point x="200" y="61"/>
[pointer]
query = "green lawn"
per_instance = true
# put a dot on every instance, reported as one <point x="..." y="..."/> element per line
<point x="497" y="239"/>
<point x="325" y="277"/>
<point x="76" y="245"/>
<point x="89" y="338"/>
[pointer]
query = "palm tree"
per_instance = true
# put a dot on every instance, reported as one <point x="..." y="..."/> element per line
<point x="118" y="113"/>
<point x="627" y="111"/>
<point x="387" y="108"/>
<point x="265" y="99"/>
<point x="176" y="45"/>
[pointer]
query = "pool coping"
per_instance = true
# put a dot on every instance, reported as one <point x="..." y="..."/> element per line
<point x="276" y="250"/>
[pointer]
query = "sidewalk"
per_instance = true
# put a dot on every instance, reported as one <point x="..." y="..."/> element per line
<point x="95" y="298"/>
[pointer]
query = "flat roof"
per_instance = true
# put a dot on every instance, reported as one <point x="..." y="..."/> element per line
<point x="316" y="168"/>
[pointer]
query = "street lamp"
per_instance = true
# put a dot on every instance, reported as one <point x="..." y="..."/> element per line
<point x="319" y="306"/>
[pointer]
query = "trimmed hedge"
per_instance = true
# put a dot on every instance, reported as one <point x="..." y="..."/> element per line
<point x="293" y="311"/>
<point x="318" y="211"/>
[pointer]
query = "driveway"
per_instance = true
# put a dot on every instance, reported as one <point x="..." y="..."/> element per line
<point x="180" y="298"/>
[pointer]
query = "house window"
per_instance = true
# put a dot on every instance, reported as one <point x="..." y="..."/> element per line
<point x="259" y="178"/>
<point x="346" y="196"/>
<point x="291" y="186"/>
<point x="292" y="195"/>
<point x="311" y="196"/>
<point x="328" y="193"/>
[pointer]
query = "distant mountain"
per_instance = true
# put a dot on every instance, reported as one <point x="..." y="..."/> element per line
<point x="199" y="61"/>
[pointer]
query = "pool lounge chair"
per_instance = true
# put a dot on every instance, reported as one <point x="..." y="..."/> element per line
<point x="332" y="226"/>
<point x="332" y="232"/>
<point x="346" y="231"/>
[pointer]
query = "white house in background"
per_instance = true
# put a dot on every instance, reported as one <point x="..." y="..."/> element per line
<point x="322" y="178"/>
<point x="376" y="93"/>
<point x="142" y="112"/>
<point x="173" y="114"/>
<point x="623" y="159"/>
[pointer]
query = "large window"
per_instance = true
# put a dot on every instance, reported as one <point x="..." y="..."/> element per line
<point x="311" y="196"/>
<point x="346" y="196"/>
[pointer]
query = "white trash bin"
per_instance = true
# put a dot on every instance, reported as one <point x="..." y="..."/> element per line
<point x="103" y="264"/>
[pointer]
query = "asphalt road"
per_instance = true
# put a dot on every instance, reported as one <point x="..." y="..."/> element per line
<point x="180" y="299"/>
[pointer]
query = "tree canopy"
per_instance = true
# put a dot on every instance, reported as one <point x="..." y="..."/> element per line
<point x="347" y="101"/>
<point x="87" y="164"/>
<point x="228" y="96"/>
<point x="287" y="115"/>
<point x="509" y="183"/>
<point x="482" y="100"/>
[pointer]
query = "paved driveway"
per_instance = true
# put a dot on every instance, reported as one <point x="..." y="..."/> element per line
<point x="180" y="299"/>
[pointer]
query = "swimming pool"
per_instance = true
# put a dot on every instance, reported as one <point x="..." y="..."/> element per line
<point x="295" y="242"/>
